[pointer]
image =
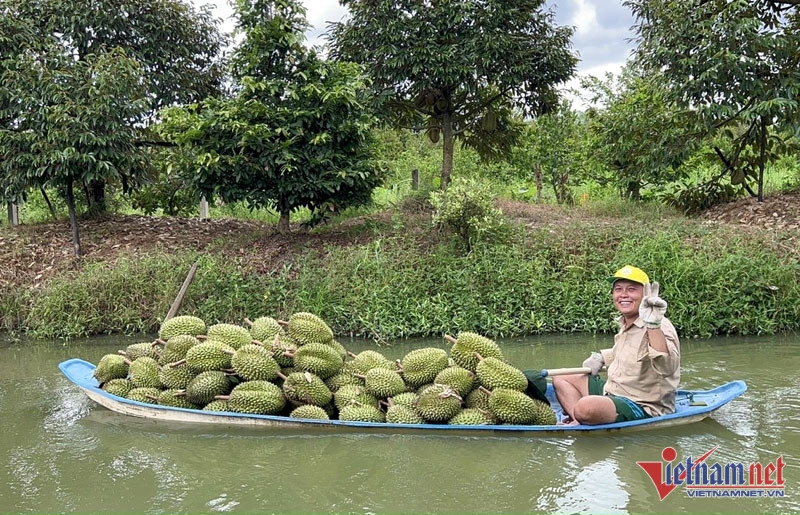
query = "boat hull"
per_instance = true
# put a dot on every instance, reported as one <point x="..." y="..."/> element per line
<point x="692" y="406"/>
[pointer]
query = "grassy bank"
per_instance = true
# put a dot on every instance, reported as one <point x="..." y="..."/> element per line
<point x="406" y="279"/>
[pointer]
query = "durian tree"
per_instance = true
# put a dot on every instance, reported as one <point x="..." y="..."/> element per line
<point x="297" y="131"/>
<point x="457" y="69"/>
<point x="736" y="64"/>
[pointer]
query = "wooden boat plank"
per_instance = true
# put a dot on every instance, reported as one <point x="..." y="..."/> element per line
<point x="692" y="406"/>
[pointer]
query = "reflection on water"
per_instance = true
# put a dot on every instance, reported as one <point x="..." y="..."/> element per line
<point x="61" y="452"/>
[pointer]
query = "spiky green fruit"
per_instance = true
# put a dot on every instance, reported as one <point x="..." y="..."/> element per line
<point x="135" y="351"/>
<point x="264" y="329"/>
<point x="207" y="385"/>
<point x="147" y="395"/>
<point x="471" y="417"/>
<point x="118" y="386"/>
<point x="349" y="394"/>
<point x="217" y="405"/>
<point x="383" y="383"/>
<point x="438" y="404"/>
<point x="459" y="379"/>
<point x="209" y="355"/>
<point x="143" y="373"/>
<point x="234" y="335"/>
<point x="184" y="324"/>
<point x="176" y="399"/>
<point x="361" y="413"/>
<point x="479" y="399"/>
<point x="177" y="377"/>
<point x="309" y="411"/>
<point x="405" y="399"/>
<point x="254" y="362"/>
<point x="307" y="328"/>
<point x="468" y="344"/>
<point x="282" y="351"/>
<point x="493" y="373"/>
<point x="306" y="388"/>
<point x="176" y="347"/>
<point x="343" y="377"/>
<point x="515" y="407"/>
<point x="319" y="359"/>
<point x="339" y="348"/>
<point x="366" y="360"/>
<point x="545" y="416"/>
<point x="402" y="414"/>
<point x="256" y="397"/>
<point x="111" y="366"/>
<point x="421" y="366"/>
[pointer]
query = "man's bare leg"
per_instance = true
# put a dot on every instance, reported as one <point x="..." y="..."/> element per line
<point x="569" y="390"/>
<point x="595" y="409"/>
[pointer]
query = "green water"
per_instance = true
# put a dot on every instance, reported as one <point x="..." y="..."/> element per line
<point x="60" y="452"/>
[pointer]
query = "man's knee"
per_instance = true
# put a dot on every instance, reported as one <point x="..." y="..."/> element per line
<point x="595" y="409"/>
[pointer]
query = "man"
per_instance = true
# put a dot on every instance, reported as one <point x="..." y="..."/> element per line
<point x="643" y="366"/>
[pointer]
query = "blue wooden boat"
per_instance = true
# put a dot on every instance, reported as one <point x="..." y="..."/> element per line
<point x="692" y="406"/>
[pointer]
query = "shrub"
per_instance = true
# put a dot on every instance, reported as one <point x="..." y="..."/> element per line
<point x="467" y="208"/>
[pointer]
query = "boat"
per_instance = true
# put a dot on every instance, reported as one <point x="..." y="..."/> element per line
<point x="691" y="406"/>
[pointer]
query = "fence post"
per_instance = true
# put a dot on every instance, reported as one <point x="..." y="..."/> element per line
<point x="203" y="209"/>
<point x="415" y="179"/>
<point x="13" y="213"/>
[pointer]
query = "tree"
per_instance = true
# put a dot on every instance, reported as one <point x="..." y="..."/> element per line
<point x="736" y="64"/>
<point x="178" y="48"/>
<point x="457" y="68"/>
<point x="637" y="131"/>
<point x="296" y="133"/>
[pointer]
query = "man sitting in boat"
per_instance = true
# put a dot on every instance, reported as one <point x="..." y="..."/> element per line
<point x="643" y="366"/>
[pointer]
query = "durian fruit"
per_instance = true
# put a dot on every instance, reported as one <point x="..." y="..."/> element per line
<point x="118" y="386"/>
<point x="255" y="397"/>
<point x="282" y="350"/>
<point x="465" y="347"/>
<point x="309" y="411"/>
<point x="306" y="328"/>
<point x="402" y="414"/>
<point x="143" y="373"/>
<point x="405" y="399"/>
<point x="459" y="379"/>
<point x="264" y="329"/>
<point x="184" y="324"/>
<point x="478" y="398"/>
<point x="356" y="412"/>
<point x="383" y="383"/>
<point x="234" y="335"/>
<point x="216" y="405"/>
<point x="348" y="394"/>
<point x="366" y="360"/>
<point x="177" y="377"/>
<point x="147" y="395"/>
<point x="438" y="404"/>
<point x="493" y="373"/>
<point x="111" y="366"/>
<point x="306" y="388"/>
<point x="176" y="399"/>
<point x="339" y="348"/>
<point x="319" y="359"/>
<point x="207" y="385"/>
<point x="254" y="362"/>
<point x="209" y="355"/>
<point x="471" y="417"/>
<point x="135" y="351"/>
<point x="421" y="366"/>
<point x="343" y="377"/>
<point x="176" y="347"/>
<point x="515" y="407"/>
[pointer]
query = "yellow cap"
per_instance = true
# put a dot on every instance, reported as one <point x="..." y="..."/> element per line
<point x="631" y="273"/>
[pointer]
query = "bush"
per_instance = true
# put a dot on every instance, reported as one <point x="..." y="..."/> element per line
<point x="467" y="208"/>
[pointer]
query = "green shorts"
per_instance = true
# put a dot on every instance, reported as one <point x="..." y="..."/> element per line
<point x="626" y="409"/>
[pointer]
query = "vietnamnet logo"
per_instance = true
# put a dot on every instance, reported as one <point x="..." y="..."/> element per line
<point x="702" y="479"/>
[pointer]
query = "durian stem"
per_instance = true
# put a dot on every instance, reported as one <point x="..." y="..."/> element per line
<point x="248" y="322"/>
<point x="256" y="342"/>
<point x="484" y="390"/>
<point x="122" y="353"/>
<point x="160" y="341"/>
<point x="152" y="397"/>
<point x="221" y="397"/>
<point x="450" y="338"/>
<point x="351" y="354"/>
<point x="201" y="337"/>
<point x="360" y="376"/>
<point x="178" y="363"/>
<point x="280" y="374"/>
<point x="283" y="323"/>
<point x="480" y="358"/>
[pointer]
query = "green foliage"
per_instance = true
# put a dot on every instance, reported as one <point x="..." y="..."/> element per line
<point x="467" y="208"/>
<point x="167" y="190"/>
<point x="457" y="69"/>
<point x="297" y="136"/>
<point x="734" y="63"/>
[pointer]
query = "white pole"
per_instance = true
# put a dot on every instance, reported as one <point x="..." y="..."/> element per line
<point x="13" y="213"/>
<point x="203" y="209"/>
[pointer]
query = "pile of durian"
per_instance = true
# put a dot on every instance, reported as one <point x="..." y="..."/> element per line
<point x="296" y="368"/>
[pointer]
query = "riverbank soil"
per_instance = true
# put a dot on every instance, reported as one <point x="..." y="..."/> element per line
<point x="30" y="255"/>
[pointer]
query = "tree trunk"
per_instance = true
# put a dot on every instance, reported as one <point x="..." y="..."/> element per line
<point x="634" y="190"/>
<point x="762" y="158"/>
<point x="283" y="222"/>
<point x="97" y="191"/>
<point x="73" y="220"/>
<point x="447" y="149"/>
<point x="539" y="181"/>
<point x="49" y="204"/>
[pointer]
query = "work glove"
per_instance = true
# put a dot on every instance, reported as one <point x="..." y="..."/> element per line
<point x="653" y="307"/>
<point x="595" y="363"/>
